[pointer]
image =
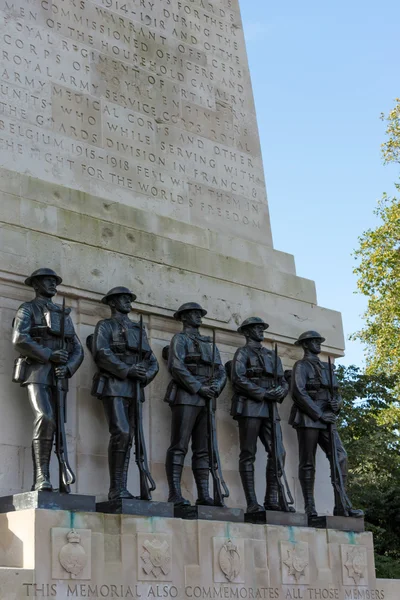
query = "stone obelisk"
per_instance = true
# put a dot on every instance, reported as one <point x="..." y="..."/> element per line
<point x="130" y="156"/>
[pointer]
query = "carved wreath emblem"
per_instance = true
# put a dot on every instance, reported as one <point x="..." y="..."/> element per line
<point x="296" y="562"/>
<point x="229" y="560"/>
<point x="156" y="558"/>
<point x="356" y="564"/>
<point x="72" y="556"/>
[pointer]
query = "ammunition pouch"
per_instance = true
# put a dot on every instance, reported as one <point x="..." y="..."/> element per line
<point x="237" y="407"/>
<point x="19" y="372"/>
<point x="98" y="384"/>
<point x="200" y="370"/>
<point x="171" y="391"/>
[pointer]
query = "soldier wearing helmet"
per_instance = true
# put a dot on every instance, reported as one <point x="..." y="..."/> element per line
<point x="252" y="375"/>
<point x="190" y="364"/>
<point x="37" y="337"/>
<point x="313" y="410"/>
<point x="115" y="346"/>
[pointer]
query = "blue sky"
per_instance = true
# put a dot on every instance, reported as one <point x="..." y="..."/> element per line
<point x="322" y="74"/>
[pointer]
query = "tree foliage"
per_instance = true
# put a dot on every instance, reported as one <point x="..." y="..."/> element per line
<point x="378" y="270"/>
<point x="369" y="429"/>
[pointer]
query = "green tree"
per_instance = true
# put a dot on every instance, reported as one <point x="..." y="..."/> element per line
<point x="378" y="270"/>
<point x="369" y="429"/>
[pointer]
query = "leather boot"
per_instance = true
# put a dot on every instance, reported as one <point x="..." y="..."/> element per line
<point x="127" y="494"/>
<point x="247" y="478"/>
<point x="307" y="486"/>
<point x="116" y="463"/>
<point x="41" y="450"/>
<point x="34" y="469"/>
<point x="338" y="511"/>
<point x="201" y="477"/>
<point x="271" y="501"/>
<point x="174" y="475"/>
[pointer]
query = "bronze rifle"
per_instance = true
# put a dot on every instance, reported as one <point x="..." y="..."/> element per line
<point x="66" y="475"/>
<point x="285" y="495"/>
<point x="337" y="478"/>
<point x="220" y="489"/>
<point x="147" y="483"/>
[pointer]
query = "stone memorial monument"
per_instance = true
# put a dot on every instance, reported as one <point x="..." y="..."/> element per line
<point x="129" y="152"/>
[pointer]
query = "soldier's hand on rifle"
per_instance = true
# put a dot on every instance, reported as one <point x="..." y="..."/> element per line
<point x="207" y="391"/>
<point x="328" y="417"/>
<point x="59" y="357"/>
<point x="334" y="404"/>
<point x="137" y="372"/>
<point x="61" y="372"/>
<point x="274" y="394"/>
<point x="215" y="389"/>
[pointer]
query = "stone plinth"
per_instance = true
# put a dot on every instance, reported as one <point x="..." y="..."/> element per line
<point x="48" y="500"/>
<point x="136" y="507"/>
<point x="340" y="523"/>
<point x="273" y="517"/>
<point x="60" y="554"/>
<point x="209" y="513"/>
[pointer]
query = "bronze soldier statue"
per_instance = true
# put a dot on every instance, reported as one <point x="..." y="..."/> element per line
<point x="49" y="357"/>
<point x="258" y="382"/>
<point x="123" y="375"/>
<point x="317" y="402"/>
<point x="190" y="363"/>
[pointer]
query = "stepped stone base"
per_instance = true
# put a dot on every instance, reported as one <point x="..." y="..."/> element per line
<point x="64" y="554"/>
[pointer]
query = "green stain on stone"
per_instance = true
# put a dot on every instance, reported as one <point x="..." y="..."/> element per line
<point x="292" y="536"/>
<point x="352" y="537"/>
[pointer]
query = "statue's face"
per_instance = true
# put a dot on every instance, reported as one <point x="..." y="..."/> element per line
<point x="192" y="318"/>
<point x="314" y="346"/>
<point x="122" y="303"/>
<point x="255" y="332"/>
<point x="45" y="286"/>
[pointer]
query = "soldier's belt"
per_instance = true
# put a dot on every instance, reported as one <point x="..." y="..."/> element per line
<point x="128" y="359"/>
<point x="200" y="370"/>
<point x="264" y="382"/>
<point x="319" y="395"/>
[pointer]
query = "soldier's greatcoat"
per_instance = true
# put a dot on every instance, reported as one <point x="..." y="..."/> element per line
<point x="115" y="351"/>
<point x="36" y="334"/>
<point x="190" y="364"/>
<point x="311" y="392"/>
<point x="252" y="375"/>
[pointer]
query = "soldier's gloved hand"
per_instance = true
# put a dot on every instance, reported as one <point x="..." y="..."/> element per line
<point x="207" y="391"/>
<point x="137" y="372"/>
<point x="59" y="357"/>
<point x="61" y="372"/>
<point x="328" y="417"/>
<point x="274" y="394"/>
<point x="215" y="389"/>
<point x="334" y="404"/>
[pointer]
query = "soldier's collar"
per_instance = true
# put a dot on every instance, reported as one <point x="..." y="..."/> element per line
<point x="121" y="318"/>
<point x="312" y="357"/>
<point x="254" y="344"/>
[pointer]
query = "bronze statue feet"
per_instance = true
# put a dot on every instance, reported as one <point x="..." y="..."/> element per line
<point x="356" y="513"/>
<point x="43" y="485"/>
<point x="120" y="495"/>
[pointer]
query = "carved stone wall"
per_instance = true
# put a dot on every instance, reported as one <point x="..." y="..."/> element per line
<point x="109" y="556"/>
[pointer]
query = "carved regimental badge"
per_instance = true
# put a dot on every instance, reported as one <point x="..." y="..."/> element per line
<point x="72" y="556"/>
<point x="356" y="563"/>
<point x="229" y="560"/>
<point x="156" y="558"/>
<point x="296" y="561"/>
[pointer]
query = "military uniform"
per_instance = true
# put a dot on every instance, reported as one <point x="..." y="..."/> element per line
<point x="115" y="349"/>
<point x="310" y="388"/>
<point x="252" y="375"/>
<point x="190" y="364"/>
<point x="36" y="334"/>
